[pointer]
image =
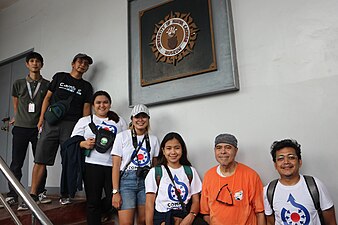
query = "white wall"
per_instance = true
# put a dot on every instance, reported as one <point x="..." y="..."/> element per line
<point x="287" y="55"/>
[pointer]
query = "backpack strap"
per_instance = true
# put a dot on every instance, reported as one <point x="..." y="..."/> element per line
<point x="188" y="172"/>
<point x="270" y="192"/>
<point x="314" y="192"/>
<point x="158" y="174"/>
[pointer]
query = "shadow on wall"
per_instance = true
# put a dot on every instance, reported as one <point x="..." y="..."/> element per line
<point x="94" y="77"/>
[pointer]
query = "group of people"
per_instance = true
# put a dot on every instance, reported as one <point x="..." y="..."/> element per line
<point x="127" y="169"/>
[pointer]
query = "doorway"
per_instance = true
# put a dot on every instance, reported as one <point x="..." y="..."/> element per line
<point x="10" y="70"/>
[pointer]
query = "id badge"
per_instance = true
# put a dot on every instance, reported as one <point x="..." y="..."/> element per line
<point x="31" y="107"/>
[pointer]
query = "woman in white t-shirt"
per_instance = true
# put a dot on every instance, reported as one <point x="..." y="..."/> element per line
<point x="165" y="194"/>
<point x="98" y="165"/>
<point x="134" y="152"/>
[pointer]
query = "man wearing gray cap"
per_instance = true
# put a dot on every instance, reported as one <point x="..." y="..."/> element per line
<point x="75" y="94"/>
<point x="231" y="191"/>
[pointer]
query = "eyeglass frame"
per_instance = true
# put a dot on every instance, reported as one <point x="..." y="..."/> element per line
<point x="220" y="201"/>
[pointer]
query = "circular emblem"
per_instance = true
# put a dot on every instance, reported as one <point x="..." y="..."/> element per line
<point x="104" y="141"/>
<point x="174" y="37"/>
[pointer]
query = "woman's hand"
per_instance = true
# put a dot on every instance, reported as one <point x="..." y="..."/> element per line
<point x="88" y="144"/>
<point x="117" y="201"/>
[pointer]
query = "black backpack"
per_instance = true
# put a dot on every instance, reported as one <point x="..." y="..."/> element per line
<point x="312" y="187"/>
<point x="104" y="138"/>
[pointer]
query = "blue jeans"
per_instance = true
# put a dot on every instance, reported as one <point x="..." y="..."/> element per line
<point x="132" y="190"/>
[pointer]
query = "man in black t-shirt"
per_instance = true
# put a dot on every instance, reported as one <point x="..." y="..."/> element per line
<point x="63" y="86"/>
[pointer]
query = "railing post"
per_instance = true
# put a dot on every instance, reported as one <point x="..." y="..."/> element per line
<point x="36" y="211"/>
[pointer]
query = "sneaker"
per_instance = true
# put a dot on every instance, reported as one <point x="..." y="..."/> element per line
<point x="43" y="198"/>
<point x="65" y="201"/>
<point x="35" y="198"/>
<point x="22" y="207"/>
<point x="11" y="200"/>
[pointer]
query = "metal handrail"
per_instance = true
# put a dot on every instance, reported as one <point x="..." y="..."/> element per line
<point x="37" y="212"/>
<point x="10" y="210"/>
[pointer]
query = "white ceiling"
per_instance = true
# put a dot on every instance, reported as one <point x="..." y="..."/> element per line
<point x="6" y="3"/>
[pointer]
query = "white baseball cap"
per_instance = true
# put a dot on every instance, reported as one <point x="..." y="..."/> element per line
<point x="140" y="108"/>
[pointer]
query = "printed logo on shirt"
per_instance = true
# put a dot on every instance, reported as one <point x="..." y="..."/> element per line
<point x="142" y="158"/>
<point x="69" y="88"/>
<point x="107" y="126"/>
<point x="238" y="195"/>
<point x="295" y="213"/>
<point x="181" y="187"/>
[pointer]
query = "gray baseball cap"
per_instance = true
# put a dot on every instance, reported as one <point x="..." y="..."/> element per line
<point x="226" y="138"/>
<point x="83" y="56"/>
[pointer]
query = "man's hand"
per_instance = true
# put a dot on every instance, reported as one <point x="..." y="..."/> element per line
<point x="12" y="121"/>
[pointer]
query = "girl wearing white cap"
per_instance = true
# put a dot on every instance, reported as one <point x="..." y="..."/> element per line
<point x="134" y="152"/>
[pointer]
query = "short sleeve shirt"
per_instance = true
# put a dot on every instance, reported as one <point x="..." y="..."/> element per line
<point x="82" y="128"/>
<point x="123" y="147"/>
<point x="293" y="204"/>
<point x="64" y="86"/>
<point x="166" y="198"/>
<point x="24" y="118"/>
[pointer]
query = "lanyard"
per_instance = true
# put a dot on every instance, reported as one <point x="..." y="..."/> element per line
<point x="146" y="137"/>
<point x="30" y="90"/>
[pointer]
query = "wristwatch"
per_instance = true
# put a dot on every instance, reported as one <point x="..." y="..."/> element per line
<point x="193" y="214"/>
<point x="115" y="191"/>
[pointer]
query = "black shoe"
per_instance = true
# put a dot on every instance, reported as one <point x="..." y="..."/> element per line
<point x="35" y="198"/>
<point x="11" y="200"/>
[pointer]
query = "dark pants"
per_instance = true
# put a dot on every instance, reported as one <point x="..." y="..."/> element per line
<point x="96" y="179"/>
<point x="21" y="138"/>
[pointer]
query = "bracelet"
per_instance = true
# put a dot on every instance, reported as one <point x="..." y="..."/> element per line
<point x="193" y="214"/>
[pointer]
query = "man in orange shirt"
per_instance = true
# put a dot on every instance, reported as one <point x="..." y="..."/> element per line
<point x="232" y="193"/>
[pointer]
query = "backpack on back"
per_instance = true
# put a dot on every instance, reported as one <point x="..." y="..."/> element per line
<point x="313" y="190"/>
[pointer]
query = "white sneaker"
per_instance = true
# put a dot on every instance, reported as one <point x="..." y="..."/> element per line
<point x="23" y="207"/>
<point x="11" y="200"/>
<point x="65" y="201"/>
<point x="43" y="198"/>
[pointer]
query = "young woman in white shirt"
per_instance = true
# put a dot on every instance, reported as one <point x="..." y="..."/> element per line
<point x="163" y="204"/>
<point x="98" y="165"/>
<point x="134" y="152"/>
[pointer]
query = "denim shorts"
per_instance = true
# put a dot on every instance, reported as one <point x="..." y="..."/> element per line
<point x="132" y="190"/>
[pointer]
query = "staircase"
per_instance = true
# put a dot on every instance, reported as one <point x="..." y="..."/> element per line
<point x="72" y="214"/>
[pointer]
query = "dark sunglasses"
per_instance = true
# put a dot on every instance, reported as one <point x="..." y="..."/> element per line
<point x="221" y="191"/>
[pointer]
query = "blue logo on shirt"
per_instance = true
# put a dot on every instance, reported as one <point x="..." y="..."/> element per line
<point x="298" y="216"/>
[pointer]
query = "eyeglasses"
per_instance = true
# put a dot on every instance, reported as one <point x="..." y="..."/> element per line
<point x="220" y="196"/>
<point x="290" y="157"/>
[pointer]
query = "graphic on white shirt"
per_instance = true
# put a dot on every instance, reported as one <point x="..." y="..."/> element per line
<point x="181" y="188"/>
<point x="143" y="157"/>
<point x="295" y="213"/>
<point x="106" y="126"/>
